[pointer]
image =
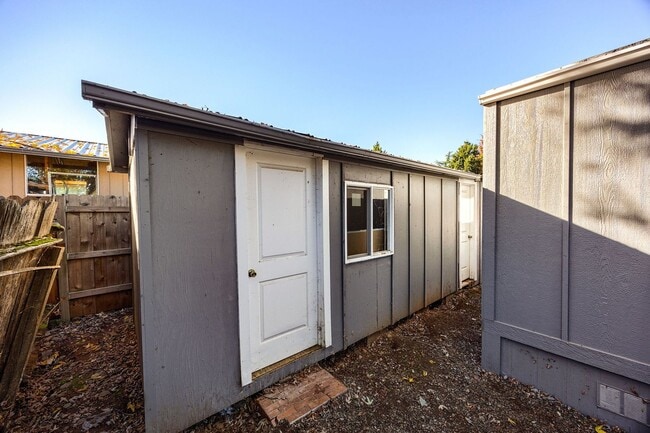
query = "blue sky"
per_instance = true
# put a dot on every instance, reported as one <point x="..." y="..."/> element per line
<point x="404" y="73"/>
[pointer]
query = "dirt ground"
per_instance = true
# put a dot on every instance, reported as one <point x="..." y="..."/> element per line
<point x="422" y="375"/>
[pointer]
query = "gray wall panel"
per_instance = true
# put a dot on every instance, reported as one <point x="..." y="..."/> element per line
<point x="416" y="243"/>
<point x="364" y="173"/>
<point x="384" y="292"/>
<point x="529" y="212"/>
<point x="360" y="300"/>
<point x="449" y="237"/>
<point x="610" y="235"/>
<point x="401" y="256"/>
<point x="336" y="253"/>
<point x="433" y="239"/>
<point x="194" y="287"/>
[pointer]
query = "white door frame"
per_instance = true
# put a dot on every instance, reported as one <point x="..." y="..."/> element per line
<point x="323" y="250"/>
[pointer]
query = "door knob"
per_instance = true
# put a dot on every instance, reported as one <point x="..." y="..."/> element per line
<point x="252" y="273"/>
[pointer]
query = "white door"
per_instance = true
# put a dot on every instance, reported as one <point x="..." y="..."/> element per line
<point x="282" y="256"/>
<point x="466" y="223"/>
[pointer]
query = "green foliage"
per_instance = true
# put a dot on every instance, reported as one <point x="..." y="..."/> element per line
<point x="468" y="157"/>
<point x="377" y="148"/>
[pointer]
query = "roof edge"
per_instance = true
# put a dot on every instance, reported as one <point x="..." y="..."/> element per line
<point x="110" y="98"/>
<point x="618" y="58"/>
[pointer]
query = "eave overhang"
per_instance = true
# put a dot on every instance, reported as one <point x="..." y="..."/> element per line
<point x="119" y="105"/>
<point x="628" y="55"/>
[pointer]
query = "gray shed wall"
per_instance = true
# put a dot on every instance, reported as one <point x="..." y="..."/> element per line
<point x="382" y="291"/>
<point x="566" y="239"/>
<point x="183" y="182"/>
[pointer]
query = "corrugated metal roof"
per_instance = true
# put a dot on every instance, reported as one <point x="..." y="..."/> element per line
<point x="35" y="144"/>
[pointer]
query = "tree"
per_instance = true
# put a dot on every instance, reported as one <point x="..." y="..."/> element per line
<point x="377" y="148"/>
<point x="468" y="157"/>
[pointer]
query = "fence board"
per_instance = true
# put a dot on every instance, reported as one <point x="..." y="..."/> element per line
<point x="98" y="259"/>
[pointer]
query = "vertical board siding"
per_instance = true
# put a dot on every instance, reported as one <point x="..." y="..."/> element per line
<point x="400" y="307"/>
<point x="367" y="284"/>
<point x="193" y="290"/>
<point x="489" y="229"/>
<point x="449" y="236"/>
<point x="610" y="231"/>
<point x="529" y="211"/>
<point x="111" y="183"/>
<point x="433" y="239"/>
<point x="12" y="175"/>
<point x="336" y="253"/>
<point x="416" y="243"/>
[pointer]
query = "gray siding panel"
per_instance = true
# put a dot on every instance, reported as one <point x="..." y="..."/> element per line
<point x="336" y="253"/>
<point x="529" y="211"/>
<point x="401" y="256"/>
<point x="360" y="300"/>
<point x="610" y="234"/>
<point x="433" y="239"/>
<point x="449" y="237"/>
<point x="416" y="243"/>
<point x="193" y="291"/>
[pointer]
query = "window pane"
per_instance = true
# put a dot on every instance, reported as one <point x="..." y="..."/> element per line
<point x="47" y="175"/>
<point x="357" y="221"/>
<point x="36" y="176"/>
<point x="380" y="209"/>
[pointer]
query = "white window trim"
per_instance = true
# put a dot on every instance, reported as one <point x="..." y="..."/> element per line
<point x="390" y="221"/>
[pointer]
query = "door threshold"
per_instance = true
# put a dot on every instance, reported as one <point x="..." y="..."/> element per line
<point x="286" y="361"/>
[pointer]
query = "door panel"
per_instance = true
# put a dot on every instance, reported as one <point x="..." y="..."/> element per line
<point x="466" y="222"/>
<point x="282" y="282"/>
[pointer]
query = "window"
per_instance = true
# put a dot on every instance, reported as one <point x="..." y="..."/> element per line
<point x="52" y="176"/>
<point x="368" y="221"/>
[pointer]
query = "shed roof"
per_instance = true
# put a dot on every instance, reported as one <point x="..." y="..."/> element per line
<point x="617" y="58"/>
<point x="119" y="106"/>
<point x="32" y="144"/>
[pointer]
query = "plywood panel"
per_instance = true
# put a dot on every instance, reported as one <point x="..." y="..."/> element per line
<point x="360" y="306"/>
<point x="401" y="256"/>
<point x="529" y="211"/>
<point x="18" y="175"/>
<point x="362" y="173"/>
<point x="416" y="243"/>
<point x="6" y="175"/>
<point x="336" y="253"/>
<point x="433" y="239"/>
<point x="610" y="234"/>
<point x="189" y="298"/>
<point x="449" y="237"/>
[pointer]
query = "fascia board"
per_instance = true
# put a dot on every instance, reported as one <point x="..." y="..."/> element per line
<point x="110" y="99"/>
<point x="575" y="71"/>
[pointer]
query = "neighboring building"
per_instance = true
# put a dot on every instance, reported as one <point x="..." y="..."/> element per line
<point x="259" y="251"/>
<point x="37" y="165"/>
<point x="566" y="234"/>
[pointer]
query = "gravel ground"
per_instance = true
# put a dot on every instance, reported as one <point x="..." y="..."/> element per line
<point x="421" y="375"/>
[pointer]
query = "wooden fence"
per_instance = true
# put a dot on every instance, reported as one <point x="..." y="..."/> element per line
<point x="96" y="271"/>
<point x="29" y="261"/>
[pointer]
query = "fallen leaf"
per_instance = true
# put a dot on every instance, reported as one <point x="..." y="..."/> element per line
<point x="512" y="421"/>
<point x="131" y="407"/>
<point x="409" y="379"/>
<point x="431" y="361"/>
<point x="424" y="373"/>
<point x="422" y="402"/>
<point x="97" y="376"/>
<point x="49" y="360"/>
<point x="599" y="429"/>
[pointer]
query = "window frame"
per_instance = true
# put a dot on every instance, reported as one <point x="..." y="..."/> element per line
<point x="390" y="226"/>
<point x="50" y="188"/>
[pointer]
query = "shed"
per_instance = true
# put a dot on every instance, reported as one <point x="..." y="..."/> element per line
<point x="566" y="234"/>
<point x="39" y="165"/>
<point x="259" y="250"/>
